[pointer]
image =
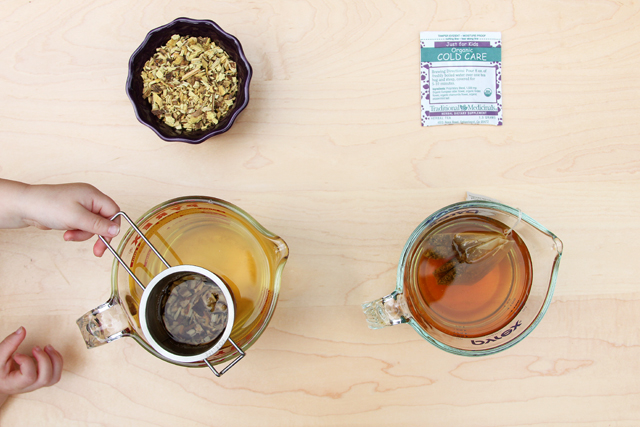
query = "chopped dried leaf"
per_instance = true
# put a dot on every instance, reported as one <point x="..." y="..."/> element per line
<point x="191" y="83"/>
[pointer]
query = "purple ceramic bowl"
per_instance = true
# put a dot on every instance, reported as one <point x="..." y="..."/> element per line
<point x="159" y="37"/>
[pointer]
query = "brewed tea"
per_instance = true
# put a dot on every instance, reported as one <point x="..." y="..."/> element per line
<point x="471" y="276"/>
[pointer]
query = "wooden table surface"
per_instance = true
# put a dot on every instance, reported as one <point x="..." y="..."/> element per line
<point x="330" y="155"/>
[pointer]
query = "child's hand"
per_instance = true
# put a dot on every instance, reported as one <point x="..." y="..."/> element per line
<point x="20" y="373"/>
<point x="81" y="209"/>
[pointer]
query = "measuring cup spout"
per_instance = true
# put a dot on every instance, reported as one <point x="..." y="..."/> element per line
<point x="281" y="250"/>
<point x="104" y="324"/>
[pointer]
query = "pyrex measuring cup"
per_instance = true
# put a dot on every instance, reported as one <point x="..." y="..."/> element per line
<point x="411" y="302"/>
<point x="193" y="231"/>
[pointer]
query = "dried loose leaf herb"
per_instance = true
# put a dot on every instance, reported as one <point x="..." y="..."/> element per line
<point x="191" y="83"/>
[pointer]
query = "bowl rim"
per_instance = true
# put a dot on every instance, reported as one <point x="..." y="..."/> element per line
<point x="235" y="112"/>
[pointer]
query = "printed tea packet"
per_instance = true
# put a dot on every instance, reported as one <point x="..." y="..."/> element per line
<point x="461" y="78"/>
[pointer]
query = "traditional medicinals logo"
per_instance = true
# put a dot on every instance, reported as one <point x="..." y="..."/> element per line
<point x="464" y="107"/>
<point x="498" y="337"/>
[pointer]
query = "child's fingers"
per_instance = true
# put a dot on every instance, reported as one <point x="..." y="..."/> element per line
<point x="99" y="247"/>
<point x="56" y="362"/>
<point x="80" y="236"/>
<point x="95" y="200"/>
<point x="10" y="345"/>
<point x="95" y="224"/>
<point x="45" y="369"/>
<point x="27" y="374"/>
<point x="104" y="205"/>
<point x="77" y="235"/>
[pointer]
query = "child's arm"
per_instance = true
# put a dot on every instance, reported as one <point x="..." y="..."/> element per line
<point x="20" y="373"/>
<point x="81" y="209"/>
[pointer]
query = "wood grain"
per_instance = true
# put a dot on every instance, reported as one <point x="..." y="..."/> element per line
<point x="331" y="156"/>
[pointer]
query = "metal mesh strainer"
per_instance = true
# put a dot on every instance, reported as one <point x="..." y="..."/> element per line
<point x="186" y="312"/>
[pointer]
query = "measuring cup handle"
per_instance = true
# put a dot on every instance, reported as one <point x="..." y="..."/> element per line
<point x="104" y="324"/>
<point x="388" y="311"/>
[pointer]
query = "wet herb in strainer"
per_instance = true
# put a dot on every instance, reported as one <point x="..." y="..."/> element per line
<point x="194" y="310"/>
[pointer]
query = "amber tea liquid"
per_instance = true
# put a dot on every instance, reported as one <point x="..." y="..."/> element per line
<point x="463" y="307"/>
<point x="204" y="237"/>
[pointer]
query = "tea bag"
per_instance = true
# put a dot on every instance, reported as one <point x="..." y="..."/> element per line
<point x="469" y="255"/>
<point x="477" y="246"/>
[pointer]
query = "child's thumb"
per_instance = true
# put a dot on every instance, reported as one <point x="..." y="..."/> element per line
<point x="10" y="345"/>
<point x="99" y="225"/>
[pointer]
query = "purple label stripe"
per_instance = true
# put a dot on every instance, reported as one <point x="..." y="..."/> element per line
<point x="464" y="113"/>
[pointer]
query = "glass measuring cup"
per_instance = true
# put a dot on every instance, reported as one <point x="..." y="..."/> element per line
<point x="510" y="318"/>
<point x="201" y="231"/>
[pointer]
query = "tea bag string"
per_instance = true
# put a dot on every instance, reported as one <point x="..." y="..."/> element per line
<point x="516" y="224"/>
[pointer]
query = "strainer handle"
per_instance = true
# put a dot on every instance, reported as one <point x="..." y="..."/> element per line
<point x="230" y="365"/>
<point x="122" y="263"/>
